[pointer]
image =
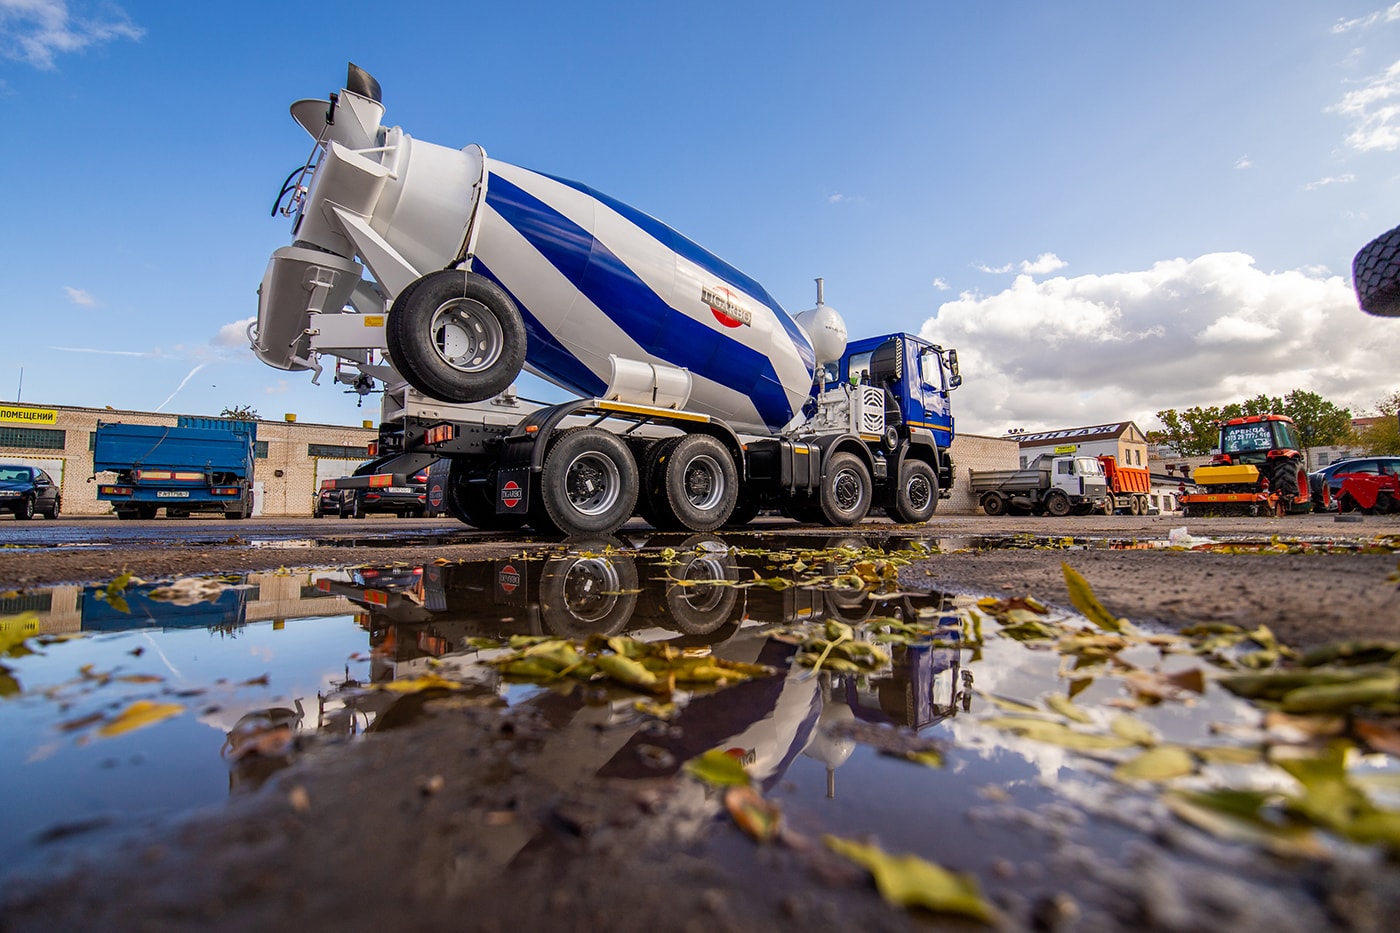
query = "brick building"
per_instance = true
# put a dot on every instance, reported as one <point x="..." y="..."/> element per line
<point x="292" y="457"/>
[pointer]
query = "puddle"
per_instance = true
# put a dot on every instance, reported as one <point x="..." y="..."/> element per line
<point x="128" y="701"/>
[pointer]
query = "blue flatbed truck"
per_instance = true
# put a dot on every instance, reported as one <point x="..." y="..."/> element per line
<point x="199" y="465"/>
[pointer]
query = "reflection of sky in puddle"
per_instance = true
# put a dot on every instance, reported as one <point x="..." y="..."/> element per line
<point x="296" y="645"/>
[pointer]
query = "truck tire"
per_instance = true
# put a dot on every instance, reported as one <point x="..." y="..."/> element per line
<point x="746" y="509"/>
<point x="698" y="483"/>
<point x="475" y="503"/>
<point x="651" y="495"/>
<point x="456" y="336"/>
<point x="589" y="482"/>
<point x="1375" y="274"/>
<point x="1057" y="504"/>
<point x="582" y="595"/>
<point x="845" y="490"/>
<point x="994" y="503"/>
<point x="916" y="493"/>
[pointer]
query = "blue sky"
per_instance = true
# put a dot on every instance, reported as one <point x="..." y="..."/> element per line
<point x="1108" y="208"/>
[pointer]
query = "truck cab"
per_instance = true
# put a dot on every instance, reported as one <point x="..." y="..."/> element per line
<point x="1079" y="477"/>
<point x="917" y="377"/>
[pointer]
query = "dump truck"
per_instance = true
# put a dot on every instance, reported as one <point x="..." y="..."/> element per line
<point x="1048" y="485"/>
<point x="1128" y="487"/>
<point x="1258" y="469"/>
<point x="198" y="465"/>
<point x="435" y="275"/>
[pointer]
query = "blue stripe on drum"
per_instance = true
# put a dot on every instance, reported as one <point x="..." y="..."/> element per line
<point x="547" y="356"/>
<point x="618" y="292"/>
<point x="680" y="244"/>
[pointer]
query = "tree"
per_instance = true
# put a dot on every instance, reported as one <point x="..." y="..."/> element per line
<point x="1191" y="433"/>
<point x="1383" y="437"/>
<point x="1319" y="422"/>
<point x="240" y="413"/>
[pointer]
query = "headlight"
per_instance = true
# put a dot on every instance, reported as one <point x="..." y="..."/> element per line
<point x="8" y="494"/>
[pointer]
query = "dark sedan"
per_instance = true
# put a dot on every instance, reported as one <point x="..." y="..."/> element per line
<point x="26" y="491"/>
<point x="1330" y="475"/>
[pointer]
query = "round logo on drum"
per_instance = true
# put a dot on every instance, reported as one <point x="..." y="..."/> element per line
<point x="509" y="578"/>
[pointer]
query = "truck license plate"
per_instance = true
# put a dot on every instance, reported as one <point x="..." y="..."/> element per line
<point x="172" y="494"/>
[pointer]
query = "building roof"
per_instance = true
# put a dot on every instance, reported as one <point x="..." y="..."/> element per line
<point x="1096" y="432"/>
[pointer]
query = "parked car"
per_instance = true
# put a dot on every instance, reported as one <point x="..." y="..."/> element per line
<point x="1330" y="473"/>
<point x="26" y="491"/>
<point x="327" y="502"/>
<point x="403" y="501"/>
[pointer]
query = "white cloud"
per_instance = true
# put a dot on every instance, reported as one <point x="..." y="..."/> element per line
<point x="36" y="31"/>
<point x="1374" y="109"/>
<point x="1207" y="331"/>
<point x="234" y="335"/>
<point x="281" y="387"/>
<point x="994" y="270"/>
<point x="1370" y="19"/>
<point x="1244" y="162"/>
<point x="941" y="284"/>
<point x="1043" y="264"/>
<point x="1330" y="180"/>
<point x="77" y="295"/>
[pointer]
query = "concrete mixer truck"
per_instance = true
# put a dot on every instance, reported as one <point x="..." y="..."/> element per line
<point x="435" y="275"/>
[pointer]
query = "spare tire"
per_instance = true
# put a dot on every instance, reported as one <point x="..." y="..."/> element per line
<point x="456" y="336"/>
<point x="1375" y="274"/>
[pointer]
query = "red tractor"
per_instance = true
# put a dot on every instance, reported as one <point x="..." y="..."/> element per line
<point x="1259" y="469"/>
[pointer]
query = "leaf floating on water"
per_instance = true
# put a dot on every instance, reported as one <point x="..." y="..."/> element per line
<point x="1057" y="733"/>
<point x="1083" y="598"/>
<point x="1134" y="730"/>
<point x="757" y="817"/>
<point x="138" y="715"/>
<point x="1068" y="708"/>
<point x="624" y="670"/>
<point x="1157" y="764"/>
<point x="909" y="881"/>
<point x="1238" y="816"/>
<point x="718" y="768"/>
<point x="418" y="684"/>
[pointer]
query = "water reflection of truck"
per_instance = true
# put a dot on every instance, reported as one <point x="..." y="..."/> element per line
<point x="199" y="465"/>
<point x="1048" y="485"/>
<point x="701" y="401"/>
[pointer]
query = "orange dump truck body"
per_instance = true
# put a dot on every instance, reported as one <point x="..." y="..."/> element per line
<point x="1125" y="479"/>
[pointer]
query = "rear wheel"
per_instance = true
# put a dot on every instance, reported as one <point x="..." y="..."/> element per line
<point x="916" y="495"/>
<point x="994" y="503"/>
<point x="699" y="483"/>
<point x="57" y="505"/>
<point x="589" y="482"/>
<point x="845" y="490"/>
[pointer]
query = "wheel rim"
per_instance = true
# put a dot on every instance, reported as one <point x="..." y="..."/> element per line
<point x="847" y="490"/>
<point x="919" y="492"/>
<point x="703" y="482"/>
<point x="467" y="336"/>
<point x="592" y="482"/>
<point x="591" y="589"/>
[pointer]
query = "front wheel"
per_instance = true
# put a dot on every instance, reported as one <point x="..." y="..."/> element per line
<point x="994" y="504"/>
<point x="916" y="496"/>
<point x="845" y="490"/>
<point x="1057" y="504"/>
<point x="26" y="508"/>
<point x="456" y="336"/>
<point x="589" y="482"/>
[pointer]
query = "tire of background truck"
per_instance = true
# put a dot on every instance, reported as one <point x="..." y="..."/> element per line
<point x="126" y="515"/>
<point x="916" y="493"/>
<point x="1058" y="504"/>
<point x="589" y="482"/>
<point x="994" y="503"/>
<point x="746" y="509"/>
<point x="1375" y="274"/>
<point x="146" y="512"/>
<point x="456" y="336"/>
<point x="1134" y="507"/>
<point x="845" y="490"/>
<point x="26" y="508"/>
<point x="699" y="483"/>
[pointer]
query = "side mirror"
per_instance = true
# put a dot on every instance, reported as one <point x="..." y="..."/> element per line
<point x="954" y="376"/>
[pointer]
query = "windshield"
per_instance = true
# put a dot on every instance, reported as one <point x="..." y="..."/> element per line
<point x="1088" y="466"/>
<point x="1243" y="438"/>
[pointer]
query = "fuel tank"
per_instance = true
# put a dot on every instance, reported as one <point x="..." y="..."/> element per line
<point x="591" y="277"/>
